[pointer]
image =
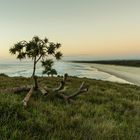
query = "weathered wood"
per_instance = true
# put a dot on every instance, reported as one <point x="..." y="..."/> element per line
<point x="16" y="89"/>
<point x="27" y="97"/>
<point x="43" y="91"/>
<point x="61" y="86"/>
<point x="83" y="88"/>
<point x="62" y="83"/>
<point x="58" y="92"/>
<point x="69" y="98"/>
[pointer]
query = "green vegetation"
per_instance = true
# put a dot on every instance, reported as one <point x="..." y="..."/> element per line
<point x="134" y="63"/>
<point x="38" y="50"/>
<point x="108" y="111"/>
<point x="3" y="75"/>
<point x="48" y="68"/>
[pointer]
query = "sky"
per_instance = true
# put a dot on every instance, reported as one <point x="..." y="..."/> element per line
<point x="104" y="29"/>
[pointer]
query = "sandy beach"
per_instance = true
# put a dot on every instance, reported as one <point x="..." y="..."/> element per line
<point x="130" y="74"/>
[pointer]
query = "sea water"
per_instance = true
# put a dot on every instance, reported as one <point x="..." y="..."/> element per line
<point x="25" y="68"/>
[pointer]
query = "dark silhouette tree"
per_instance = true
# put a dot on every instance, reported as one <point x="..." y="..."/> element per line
<point x="52" y="72"/>
<point x="48" y="68"/>
<point x="38" y="50"/>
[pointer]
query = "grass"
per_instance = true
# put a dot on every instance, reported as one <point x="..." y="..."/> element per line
<point x="109" y="111"/>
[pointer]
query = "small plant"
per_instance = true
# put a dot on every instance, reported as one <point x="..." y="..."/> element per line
<point x="3" y="75"/>
<point x="48" y="68"/>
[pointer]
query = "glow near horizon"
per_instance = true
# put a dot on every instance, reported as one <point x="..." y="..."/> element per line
<point x="89" y="27"/>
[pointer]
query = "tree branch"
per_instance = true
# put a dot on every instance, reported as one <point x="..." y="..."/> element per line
<point x="83" y="88"/>
<point x="62" y="83"/>
<point x="44" y="90"/>
<point x="27" y="97"/>
<point x="16" y="89"/>
<point x="38" y="58"/>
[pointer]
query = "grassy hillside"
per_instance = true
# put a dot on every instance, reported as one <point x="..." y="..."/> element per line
<point x="109" y="111"/>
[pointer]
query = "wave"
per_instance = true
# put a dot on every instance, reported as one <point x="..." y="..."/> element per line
<point x="16" y="68"/>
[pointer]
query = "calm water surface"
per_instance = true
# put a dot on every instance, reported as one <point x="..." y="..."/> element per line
<point x="24" y="68"/>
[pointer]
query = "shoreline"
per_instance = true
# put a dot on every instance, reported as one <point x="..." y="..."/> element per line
<point x="117" y="75"/>
<point x="130" y="75"/>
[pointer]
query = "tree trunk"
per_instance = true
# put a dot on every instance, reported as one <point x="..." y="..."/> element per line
<point x="35" y="83"/>
<point x="34" y="67"/>
<point x="33" y="75"/>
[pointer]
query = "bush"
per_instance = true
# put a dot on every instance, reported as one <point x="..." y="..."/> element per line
<point x="3" y="75"/>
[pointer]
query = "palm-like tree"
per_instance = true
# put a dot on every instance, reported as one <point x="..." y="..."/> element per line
<point x="38" y="50"/>
<point x="48" y="67"/>
<point x="50" y="72"/>
<point x="53" y="72"/>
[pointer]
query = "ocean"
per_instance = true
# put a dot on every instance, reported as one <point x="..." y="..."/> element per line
<point x="24" y="68"/>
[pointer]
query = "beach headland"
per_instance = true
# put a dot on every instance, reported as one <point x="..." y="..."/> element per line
<point x="129" y="72"/>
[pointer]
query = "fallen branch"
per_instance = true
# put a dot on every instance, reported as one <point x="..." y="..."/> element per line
<point x="44" y="90"/>
<point x="16" y="89"/>
<point x="27" y="97"/>
<point x="62" y="83"/>
<point x="83" y="88"/>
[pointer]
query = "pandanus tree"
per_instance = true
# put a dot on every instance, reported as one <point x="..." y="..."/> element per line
<point x="37" y="50"/>
<point x="48" y="64"/>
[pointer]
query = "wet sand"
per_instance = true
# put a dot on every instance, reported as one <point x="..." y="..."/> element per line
<point x="130" y="74"/>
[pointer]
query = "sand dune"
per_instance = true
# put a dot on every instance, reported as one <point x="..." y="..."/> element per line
<point x="131" y="74"/>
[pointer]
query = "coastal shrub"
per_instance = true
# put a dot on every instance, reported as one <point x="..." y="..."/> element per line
<point x="3" y="75"/>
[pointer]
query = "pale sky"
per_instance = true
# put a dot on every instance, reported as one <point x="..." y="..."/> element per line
<point x="99" y="28"/>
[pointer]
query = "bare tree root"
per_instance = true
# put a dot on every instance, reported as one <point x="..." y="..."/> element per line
<point x="69" y="98"/>
<point x="16" y="89"/>
<point x="44" y="91"/>
<point x="62" y="83"/>
<point x="83" y="88"/>
<point x="59" y="91"/>
<point x="27" y="97"/>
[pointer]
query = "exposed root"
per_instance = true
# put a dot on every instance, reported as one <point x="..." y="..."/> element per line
<point x="59" y="91"/>
<point x="44" y="90"/>
<point x="68" y="98"/>
<point x="62" y="83"/>
<point x="16" y="89"/>
<point x="27" y="97"/>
